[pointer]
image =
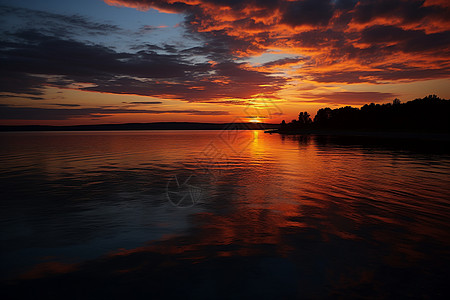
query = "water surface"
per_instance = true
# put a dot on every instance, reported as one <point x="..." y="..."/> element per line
<point x="232" y="214"/>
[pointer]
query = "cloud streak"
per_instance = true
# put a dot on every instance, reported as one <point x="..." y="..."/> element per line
<point x="144" y="102"/>
<point x="34" y="113"/>
<point x="349" y="98"/>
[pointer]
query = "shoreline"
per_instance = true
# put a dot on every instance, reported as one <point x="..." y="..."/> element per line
<point x="433" y="136"/>
<point x="142" y="126"/>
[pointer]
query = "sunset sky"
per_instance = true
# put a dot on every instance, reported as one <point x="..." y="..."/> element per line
<point x="118" y="61"/>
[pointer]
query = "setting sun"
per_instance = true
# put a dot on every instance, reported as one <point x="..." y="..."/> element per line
<point x="255" y="121"/>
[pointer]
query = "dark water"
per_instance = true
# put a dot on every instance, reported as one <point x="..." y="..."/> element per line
<point x="228" y="215"/>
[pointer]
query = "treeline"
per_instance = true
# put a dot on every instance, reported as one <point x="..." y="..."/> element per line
<point x="429" y="114"/>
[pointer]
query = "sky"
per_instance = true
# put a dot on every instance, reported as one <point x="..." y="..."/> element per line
<point x="66" y="62"/>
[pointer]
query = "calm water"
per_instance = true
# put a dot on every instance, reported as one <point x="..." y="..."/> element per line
<point x="210" y="214"/>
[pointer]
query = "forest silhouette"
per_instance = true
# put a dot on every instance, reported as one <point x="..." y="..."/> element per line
<point x="428" y="114"/>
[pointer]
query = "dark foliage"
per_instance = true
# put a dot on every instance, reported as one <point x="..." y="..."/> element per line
<point x="303" y="121"/>
<point x="429" y="114"/>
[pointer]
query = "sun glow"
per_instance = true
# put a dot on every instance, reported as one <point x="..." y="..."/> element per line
<point x="255" y="121"/>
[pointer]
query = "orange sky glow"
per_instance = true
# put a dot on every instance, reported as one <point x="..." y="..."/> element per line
<point x="255" y="61"/>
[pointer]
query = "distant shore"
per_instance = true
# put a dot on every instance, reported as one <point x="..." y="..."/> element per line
<point x="145" y="126"/>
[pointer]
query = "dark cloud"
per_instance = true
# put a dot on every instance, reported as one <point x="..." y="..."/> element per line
<point x="317" y="38"/>
<point x="386" y="34"/>
<point x="167" y="6"/>
<point x="282" y="62"/>
<point x="144" y="102"/>
<point x="20" y="83"/>
<point x="407" y="40"/>
<point x="345" y="4"/>
<point x="64" y="104"/>
<point x="387" y="74"/>
<point x="59" y="62"/>
<point x="34" y="113"/>
<point x="57" y="24"/>
<point x="229" y="80"/>
<point x="438" y="43"/>
<point x="149" y="28"/>
<point x="24" y="97"/>
<point x="349" y="98"/>
<point x="405" y="11"/>
<point x="40" y="54"/>
<point x="229" y="102"/>
<point x="308" y="12"/>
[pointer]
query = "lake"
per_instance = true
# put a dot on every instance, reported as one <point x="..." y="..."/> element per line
<point x="222" y="214"/>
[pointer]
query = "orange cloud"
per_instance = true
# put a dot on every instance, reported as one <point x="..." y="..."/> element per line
<point x="334" y="35"/>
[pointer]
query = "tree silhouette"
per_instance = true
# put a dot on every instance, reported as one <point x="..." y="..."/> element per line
<point x="283" y="125"/>
<point x="429" y="114"/>
<point x="304" y="119"/>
